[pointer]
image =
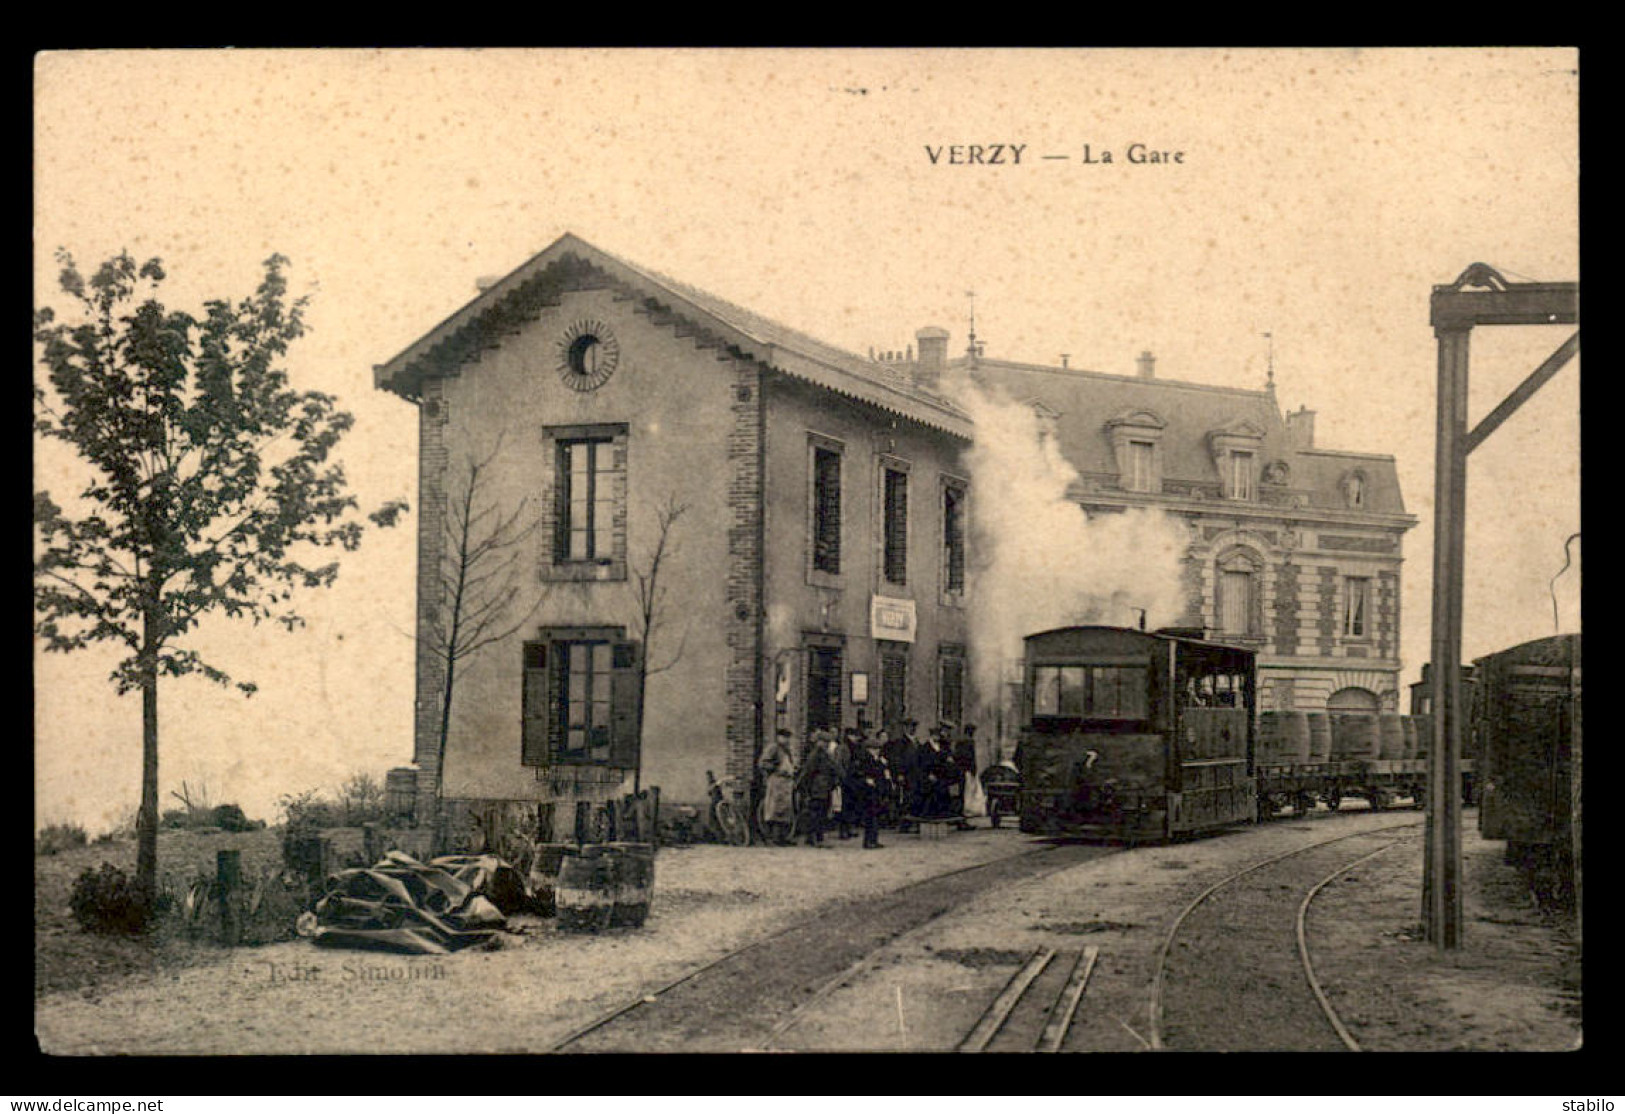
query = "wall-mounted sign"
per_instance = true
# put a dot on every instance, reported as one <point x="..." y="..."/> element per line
<point x="891" y="619"/>
<point x="860" y="688"/>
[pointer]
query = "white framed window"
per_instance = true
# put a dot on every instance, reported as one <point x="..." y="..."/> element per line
<point x="1142" y="475"/>
<point x="1240" y="479"/>
<point x="1357" y="607"/>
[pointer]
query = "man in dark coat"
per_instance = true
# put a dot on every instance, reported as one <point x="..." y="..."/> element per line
<point x="868" y="783"/>
<point x="901" y="754"/>
<point x="820" y="775"/>
<point x="935" y="763"/>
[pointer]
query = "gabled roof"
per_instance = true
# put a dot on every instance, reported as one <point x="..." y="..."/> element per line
<point x="513" y="298"/>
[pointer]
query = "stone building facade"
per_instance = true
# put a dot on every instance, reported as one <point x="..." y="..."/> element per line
<point x="810" y="512"/>
<point x="813" y="577"/>
<point x="1295" y="549"/>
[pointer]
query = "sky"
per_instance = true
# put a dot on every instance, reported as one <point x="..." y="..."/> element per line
<point x="1319" y="196"/>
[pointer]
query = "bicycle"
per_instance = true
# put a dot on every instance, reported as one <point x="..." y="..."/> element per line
<point x="728" y="813"/>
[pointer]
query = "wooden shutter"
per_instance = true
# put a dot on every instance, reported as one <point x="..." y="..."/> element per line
<point x="537" y="712"/>
<point x="625" y="700"/>
<point x="896" y="526"/>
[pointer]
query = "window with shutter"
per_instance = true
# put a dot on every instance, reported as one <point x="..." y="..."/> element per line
<point x="826" y="539"/>
<point x="951" y="685"/>
<point x="953" y="537"/>
<point x="537" y="706"/>
<point x="1235" y="602"/>
<point x="625" y="743"/>
<point x="579" y="705"/>
<point x="895" y="495"/>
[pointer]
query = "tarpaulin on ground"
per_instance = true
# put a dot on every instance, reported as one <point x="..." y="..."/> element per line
<point x="400" y="904"/>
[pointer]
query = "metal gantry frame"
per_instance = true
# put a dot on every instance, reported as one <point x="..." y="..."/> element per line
<point x="1480" y="296"/>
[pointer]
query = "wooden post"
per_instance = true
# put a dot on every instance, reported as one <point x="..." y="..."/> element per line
<point x="227" y="880"/>
<point x="1442" y="867"/>
<point x="369" y="843"/>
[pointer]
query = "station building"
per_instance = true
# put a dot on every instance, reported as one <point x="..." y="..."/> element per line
<point x="814" y="577"/>
<point x="798" y="516"/>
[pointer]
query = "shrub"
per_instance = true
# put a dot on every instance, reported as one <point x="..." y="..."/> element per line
<point x="58" y="837"/>
<point x="230" y="818"/>
<point x="175" y="818"/>
<point x="106" y="901"/>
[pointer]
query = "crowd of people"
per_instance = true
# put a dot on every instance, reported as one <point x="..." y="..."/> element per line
<point x="865" y="780"/>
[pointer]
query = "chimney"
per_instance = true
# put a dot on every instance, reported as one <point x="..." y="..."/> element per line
<point x="933" y="357"/>
<point x="1300" y="428"/>
<point x="1147" y="365"/>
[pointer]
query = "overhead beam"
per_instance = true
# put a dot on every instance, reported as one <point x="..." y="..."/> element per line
<point x="1509" y="406"/>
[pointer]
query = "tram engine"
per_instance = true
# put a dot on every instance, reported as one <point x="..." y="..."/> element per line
<point x="1135" y="735"/>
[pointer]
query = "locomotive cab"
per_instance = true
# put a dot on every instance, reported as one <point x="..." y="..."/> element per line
<point x="1133" y="735"/>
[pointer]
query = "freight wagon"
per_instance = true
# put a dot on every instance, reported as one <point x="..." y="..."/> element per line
<point x="1309" y="758"/>
<point x="1527" y="725"/>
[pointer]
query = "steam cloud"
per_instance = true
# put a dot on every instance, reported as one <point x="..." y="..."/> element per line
<point x="1037" y="560"/>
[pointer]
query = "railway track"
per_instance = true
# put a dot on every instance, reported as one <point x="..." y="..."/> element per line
<point x="1034" y="1011"/>
<point x="748" y="998"/>
<point x="1232" y="981"/>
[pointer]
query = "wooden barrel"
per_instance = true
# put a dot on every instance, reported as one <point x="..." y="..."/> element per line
<point x="585" y="895"/>
<point x="544" y="877"/>
<point x="1283" y="738"/>
<point x="1391" y="736"/>
<point x="1354" y="735"/>
<point x="634" y="867"/>
<point x="1320" y="736"/>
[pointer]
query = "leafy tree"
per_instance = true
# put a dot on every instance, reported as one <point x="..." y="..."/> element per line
<point x="210" y="484"/>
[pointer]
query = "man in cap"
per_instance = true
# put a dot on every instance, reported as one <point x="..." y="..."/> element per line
<point x="868" y="782"/>
<point x="820" y="776"/>
<point x="902" y="758"/>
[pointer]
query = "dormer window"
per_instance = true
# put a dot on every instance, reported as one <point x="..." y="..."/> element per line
<point x="1136" y="437"/>
<point x="1239" y="475"/>
<point x="1141" y="472"/>
<point x="1354" y="490"/>
<point x="1236" y="456"/>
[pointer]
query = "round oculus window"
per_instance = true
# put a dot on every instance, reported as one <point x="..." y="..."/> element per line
<point x="588" y="353"/>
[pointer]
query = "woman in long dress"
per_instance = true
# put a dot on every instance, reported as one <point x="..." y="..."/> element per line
<point x="778" y="768"/>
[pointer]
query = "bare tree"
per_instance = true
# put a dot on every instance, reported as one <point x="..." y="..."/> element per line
<point x="479" y="580"/>
<point x="650" y="594"/>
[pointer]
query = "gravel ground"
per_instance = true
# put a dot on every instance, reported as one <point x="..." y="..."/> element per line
<point x="1515" y="986"/>
<point x="296" y="998"/>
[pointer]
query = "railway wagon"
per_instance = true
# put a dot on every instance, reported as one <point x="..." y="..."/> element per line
<point x="1134" y="735"/>
<point x="1527" y="726"/>
<point x="1378" y="756"/>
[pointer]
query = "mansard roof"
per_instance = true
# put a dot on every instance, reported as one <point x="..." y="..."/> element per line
<point x="1089" y="401"/>
<point x="516" y="297"/>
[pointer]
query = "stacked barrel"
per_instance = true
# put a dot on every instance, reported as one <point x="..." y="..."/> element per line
<point x="1320" y="736"/>
<point x="604" y="886"/>
<point x="1283" y="738"/>
<point x="1355" y="736"/>
<point x="1391" y="736"/>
